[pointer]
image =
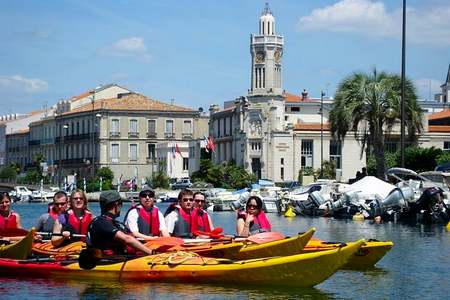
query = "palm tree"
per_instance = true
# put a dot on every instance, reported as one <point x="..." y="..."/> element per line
<point x="369" y="105"/>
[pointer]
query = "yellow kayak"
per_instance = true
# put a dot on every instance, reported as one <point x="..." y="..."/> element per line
<point x="369" y="254"/>
<point x="20" y="249"/>
<point x="300" y="270"/>
<point x="229" y="250"/>
<point x="284" y="247"/>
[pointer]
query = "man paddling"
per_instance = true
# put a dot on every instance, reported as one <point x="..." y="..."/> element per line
<point x="145" y="220"/>
<point x="46" y="221"/>
<point x="109" y="235"/>
<point x="179" y="219"/>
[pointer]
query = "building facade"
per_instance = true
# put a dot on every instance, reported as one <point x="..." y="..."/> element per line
<point x="274" y="134"/>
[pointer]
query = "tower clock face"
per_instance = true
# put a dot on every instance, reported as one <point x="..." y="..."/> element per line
<point x="259" y="57"/>
<point x="277" y="56"/>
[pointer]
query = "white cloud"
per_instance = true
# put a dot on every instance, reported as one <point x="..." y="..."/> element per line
<point x="130" y="47"/>
<point x="426" y="87"/>
<point x="371" y="18"/>
<point x="21" y="84"/>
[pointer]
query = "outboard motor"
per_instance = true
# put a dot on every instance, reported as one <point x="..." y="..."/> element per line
<point x="310" y="207"/>
<point x="240" y="203"/>
<point x="396" y="202"/>
<point x="430" y="207"/>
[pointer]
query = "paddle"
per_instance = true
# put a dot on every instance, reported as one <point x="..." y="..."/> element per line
<point x="8" y="232"/>
<point x="265" y="237"/>
<point x="60" y="234"/>
<point x="216" y="233"/>
<point x="160" y="243"/>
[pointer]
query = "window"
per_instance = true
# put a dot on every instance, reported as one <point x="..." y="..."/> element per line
<point x="295" y="108"/>
<point x="169" y="126"/>
<point x="255" y="146"/>
<point x="187" y="128"/>
<point x="114" y="126"/>
<point x="185" y="164"/>
<point x="282" y="173"/>
<point x="152" y="126"/>
<point x="336" y="153"/>
<point x="114" y="152"/>
<point x="282" y="161"/>
<point x="307" y="154"/>
<point x="446" y="146"/>
<point x="133" y="126"/>
<point x="151" y="153"/>
<point x="133" y="152"/>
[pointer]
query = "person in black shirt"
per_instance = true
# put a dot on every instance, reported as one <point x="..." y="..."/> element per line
<point x="109" y="235"/>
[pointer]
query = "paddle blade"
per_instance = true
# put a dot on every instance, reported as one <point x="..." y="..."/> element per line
<point x="89" y="258"/>
<point x="163" y="243"/>
<point x="13" y="232"/>
<point x="265" y="237"/>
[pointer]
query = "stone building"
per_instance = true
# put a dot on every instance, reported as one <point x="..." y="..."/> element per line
<point x="272" y="133"/>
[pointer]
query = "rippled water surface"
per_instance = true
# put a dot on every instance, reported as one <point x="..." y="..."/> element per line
<point x="417" y="267"/>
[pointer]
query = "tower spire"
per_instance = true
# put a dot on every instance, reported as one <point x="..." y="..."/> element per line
<point x="267" y="10"/>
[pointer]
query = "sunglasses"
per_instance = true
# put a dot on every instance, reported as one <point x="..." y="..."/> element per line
<point x="188" y="199"/>
<point x="59" y="204"/>
<point x="251" y="206"/>
<point x="147" y="196"/>
<point x="199" y="201"/>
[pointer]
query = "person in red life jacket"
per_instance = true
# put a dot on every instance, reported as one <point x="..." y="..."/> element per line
<point x="73" y="221"/>
<point x="8" y="218"/>
<point x="179" y="219"/>
<point x="201" y="220"/>
<point x="253" y="220"/>
<point x="145" y="220"/>
<point x="108" y="234"/>
<point x="46" y="221"/>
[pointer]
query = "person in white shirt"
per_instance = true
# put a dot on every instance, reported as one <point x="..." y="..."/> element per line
<point x="145" y="220"/>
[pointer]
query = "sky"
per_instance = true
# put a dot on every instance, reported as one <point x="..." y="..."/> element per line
<point x="196" y="53"/>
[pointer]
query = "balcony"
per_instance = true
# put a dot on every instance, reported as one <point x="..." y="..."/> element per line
<point x="114" y="134"/>
<point x="186" y="136"/>
<point x="133" y="134"/>
<point x="169" y="135"/>
<point x="151" y="134"/>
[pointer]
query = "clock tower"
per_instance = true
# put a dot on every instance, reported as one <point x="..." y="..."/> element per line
<point x="266" y="50"/>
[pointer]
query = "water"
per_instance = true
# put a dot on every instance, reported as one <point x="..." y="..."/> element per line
<point x="416" y="267"/>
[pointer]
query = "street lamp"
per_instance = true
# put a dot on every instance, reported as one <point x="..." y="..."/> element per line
<point x="322" y="94"/>
<point x="62" y="154"/>
<point x="93" y="131"/>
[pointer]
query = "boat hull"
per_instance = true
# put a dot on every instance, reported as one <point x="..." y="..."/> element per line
<point x="300" y="270"/>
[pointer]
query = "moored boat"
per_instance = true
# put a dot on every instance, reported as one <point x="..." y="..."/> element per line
<point x="300" y="270"/>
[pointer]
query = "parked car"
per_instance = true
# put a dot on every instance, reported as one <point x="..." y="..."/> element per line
<point x="183" y="183"/>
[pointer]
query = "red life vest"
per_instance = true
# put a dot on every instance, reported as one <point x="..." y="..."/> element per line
<point x="78" y="225"/>
<point x="259" y="224"/>
<point x="148" y="221"/>
<point x="200" y="221"/>
<point x="183" y="226"/>
<point x="9" y="222"/>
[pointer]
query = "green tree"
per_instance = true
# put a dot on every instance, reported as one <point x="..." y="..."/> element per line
<point x="443" y="158"/>
<point x="369" y="105"/>
<point x="8" y="173"/>
<point x="160" y="180"/>
<point x="226" y="175"/>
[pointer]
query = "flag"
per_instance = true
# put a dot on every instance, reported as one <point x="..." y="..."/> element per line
<point x="174" y="152"/>
<point x="211" y="144"/>
<point x="177" y="150"/>
<point x="204" y="144"/>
